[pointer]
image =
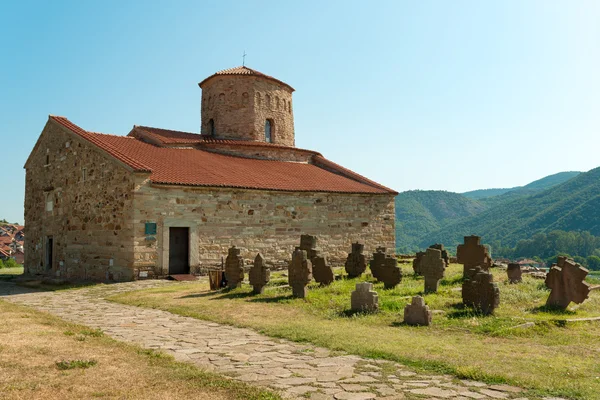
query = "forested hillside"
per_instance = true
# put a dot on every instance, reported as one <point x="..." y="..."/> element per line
<point x="571" y="206"/>
<point x="419" y="212"/>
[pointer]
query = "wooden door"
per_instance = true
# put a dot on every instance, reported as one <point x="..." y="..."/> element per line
<point x="179" y="242"/>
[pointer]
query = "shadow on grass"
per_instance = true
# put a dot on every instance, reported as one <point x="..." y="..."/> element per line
<point x="552" y="310"/>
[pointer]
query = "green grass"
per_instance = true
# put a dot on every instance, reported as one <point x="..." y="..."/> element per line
<point x="552" y="357"/>
<point x="74" y="364"/>
<point x="7" y="274"/>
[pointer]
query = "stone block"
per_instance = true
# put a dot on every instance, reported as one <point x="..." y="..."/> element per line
<point x="566" y="280"/>
<point x="480" y="292"/>
<point x="433" y="267"/>
<point x="234" y="268"/>
<point x="356" y="262"/>
<point x="417" y="313"/>
<point x="514" y="273"/>
<point x="473" y="254"/>
<point x="299" y="273"/>
<point x="259" y="274"/>
<point x="364" y="299"/>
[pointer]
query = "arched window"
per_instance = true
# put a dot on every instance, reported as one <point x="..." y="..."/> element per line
<point x="211" y="127"/>
<point x="268" y="131"/>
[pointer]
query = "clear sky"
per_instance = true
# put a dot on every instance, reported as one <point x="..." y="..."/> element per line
<point x="452" y="95"/>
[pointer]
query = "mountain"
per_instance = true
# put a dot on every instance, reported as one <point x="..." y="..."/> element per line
<point x="541" y="184"/>
<point x="419" y="212"/>
<point x="573" y="205"/>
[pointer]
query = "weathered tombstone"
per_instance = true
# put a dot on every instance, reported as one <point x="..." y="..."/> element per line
<point x="299" y="272"/>
<point x="259" y="274"/>
<point x="364" y="299"/>
<point x="322" y="272"/>
<point x="440" y="247"/>
<point x="234" y="268"/>
<point x="473" y="254"/>
<point x="309" y="244"/>
<point x="385" y="269"/>
<point x="433" y="267"/>
<point x="417" y="313"/>
<point x="417" y="262"/>
<point x="480" y="292"/>
<point x="514" y="273"/>
<point x="566" y="280"/>
<point x="356" y="263"/>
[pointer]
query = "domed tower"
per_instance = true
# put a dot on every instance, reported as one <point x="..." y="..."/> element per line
<point x="243" y="104"/>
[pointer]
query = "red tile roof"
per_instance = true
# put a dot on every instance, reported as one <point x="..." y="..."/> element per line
<point x="4" y="253"/>
<point x="243" y="70"/>
<point x="170" y="137"/>
<point x="196" y="167"/>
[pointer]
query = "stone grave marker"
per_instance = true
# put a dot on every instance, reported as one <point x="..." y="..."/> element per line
<point x="417" y="262"/>
<point x="433" y="267"/>
<point x="356" y="263"/>
<point x="259" y="274"/>
<point x="322" y="272"/>
<point x="473" y="254"/>
<point x="514" y="273"/>
<point x="480" y="292"/>
<point x="566" y="279"/>
<point x="299" y="273"/>
<point x="309" y="244"/>
<point x="234" y="268"/>
<point x="417" y="313"/>
<point x="364" y="299"/>
<point x="440" y="247"/>
<point x="385" y="269"/>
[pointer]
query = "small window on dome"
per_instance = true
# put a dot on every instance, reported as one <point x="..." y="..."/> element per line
<point x="269" y="131"/>
<point x="211" y="127"/>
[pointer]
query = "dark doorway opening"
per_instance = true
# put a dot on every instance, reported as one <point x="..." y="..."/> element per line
<point x="179" y="251"/>
<point x="49" y="252"/>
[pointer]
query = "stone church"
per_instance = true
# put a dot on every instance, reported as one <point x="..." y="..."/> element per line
<point x="157" y="202"/>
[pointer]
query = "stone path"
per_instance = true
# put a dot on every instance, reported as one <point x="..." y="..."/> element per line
<point x="295" y="370"/>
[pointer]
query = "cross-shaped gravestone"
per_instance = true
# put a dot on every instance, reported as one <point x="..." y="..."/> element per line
<point x="364" y="299"/>
<point x="480" y="292"/>
<point x="356" y="262"/>
<point x="417" y="313"/>
<point x="385" y="269"/>
<point x="299" y="272"/>
<point x="322" y="272"/>
<point x="432" y="267"/>
<point x="566" y="280"/>
<point x="259" y="274"/>
<point x="234" y="268"/>
<point x="417" y="263"/>
<point x="473" y="254"/>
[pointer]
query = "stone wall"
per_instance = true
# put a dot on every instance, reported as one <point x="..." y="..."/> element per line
<point x="239" y="106"/>
<point x="269" y="222"/>
<point x="88" y="218"/>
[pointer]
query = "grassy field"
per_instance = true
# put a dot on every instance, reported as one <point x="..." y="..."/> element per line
<point x="10" y="273"/>
<point x="552" y="357"/>
<point x="43" y="357"/>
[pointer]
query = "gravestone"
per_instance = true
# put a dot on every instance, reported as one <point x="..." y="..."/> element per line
<point x="433" y="267"/>
<point x="473" y="254"/>
<point x="322" y="272"/>
<point x="480" y="292"/>
<point x="566" y="279"/>
<point x="440" y="247"/>
<point x="417" y="313"/>
<point x="234" y="268"/>
<point x="299" y="272"/>
<point x="356" y="263"/>
<point x="417" y="262"/>
<point x="309" y="244"/>
<point x="385" y="269"/>
<point x="259" y="274"/>
<point x="514" y="273"/>
<point x="364" y="299"/>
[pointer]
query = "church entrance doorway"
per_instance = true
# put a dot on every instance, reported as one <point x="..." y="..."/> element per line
<point x="179" y="251"/>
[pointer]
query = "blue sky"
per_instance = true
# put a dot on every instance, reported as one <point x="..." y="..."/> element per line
<point x="454" y="95"/>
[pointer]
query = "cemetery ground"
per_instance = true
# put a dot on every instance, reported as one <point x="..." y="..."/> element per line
<point x="43" y="357"/>
<point x="523" y="344"/>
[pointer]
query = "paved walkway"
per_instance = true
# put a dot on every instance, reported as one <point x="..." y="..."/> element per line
<point x="296" y="370"/>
